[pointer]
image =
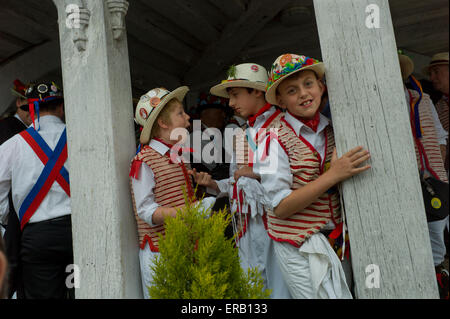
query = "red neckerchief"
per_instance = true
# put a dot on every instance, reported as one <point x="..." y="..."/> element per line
<point x="311" y="123"/>
<point x="252" y="119"/>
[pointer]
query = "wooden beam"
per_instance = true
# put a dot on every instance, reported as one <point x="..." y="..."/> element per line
<point x="214" y="16"/>
<point x="141" y="12"/>
<point x="14" y="40"/>
<point x="100" y="135"/>
<point x="42" y="13"/>
<point x="186" y="18"/>
<point x="146" y="77"/>
<point x="155" y="57"/>
<point x="389" y="240"/>
<point x="219" y="54"/>
<point x="232" y="9"/>
<point x="157" y="38"/>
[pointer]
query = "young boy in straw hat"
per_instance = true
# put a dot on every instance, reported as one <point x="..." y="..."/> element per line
<point x="305" y="206"/>
<point x="158" y="173"/>
<point x="429" y="141"/>
<point x="245" y="89"/>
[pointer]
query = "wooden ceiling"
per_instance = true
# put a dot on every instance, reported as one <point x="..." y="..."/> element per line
<point x="174" y="42"/>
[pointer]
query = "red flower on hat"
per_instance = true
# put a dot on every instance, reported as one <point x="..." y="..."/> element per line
<point x="309" y="61"/>
<point x="254" y="68"/>
<point x="285" y="59"/>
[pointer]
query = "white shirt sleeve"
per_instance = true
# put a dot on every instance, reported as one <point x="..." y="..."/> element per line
<point x="275" y="172"/>
<point x="143" y="194"/>
<point x="441" y="134"/>
<point x="7" y="153"/>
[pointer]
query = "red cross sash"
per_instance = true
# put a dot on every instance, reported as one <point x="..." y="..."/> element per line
<point x="54" y="170"/>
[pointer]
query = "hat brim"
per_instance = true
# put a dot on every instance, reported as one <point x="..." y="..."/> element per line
<point x="426" y="69"/>
<point x="17" y="94"/>
<point x="271" y="94"/>
<point x="221" y="89"/>
<point x="179" y="94"/>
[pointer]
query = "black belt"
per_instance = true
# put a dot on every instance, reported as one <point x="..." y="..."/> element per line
<point x="53" y="220"/>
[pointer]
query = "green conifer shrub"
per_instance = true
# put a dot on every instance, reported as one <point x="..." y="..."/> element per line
<point x="197" y="261"/>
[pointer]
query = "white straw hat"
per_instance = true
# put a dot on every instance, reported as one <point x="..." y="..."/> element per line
<point x="246" y="75"/>
<point x="151" y="104"/>
<point x="438" y="58"/>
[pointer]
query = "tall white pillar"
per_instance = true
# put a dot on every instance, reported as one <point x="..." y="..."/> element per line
<point x="389" y="241"/>
<point x="98" y="104"/>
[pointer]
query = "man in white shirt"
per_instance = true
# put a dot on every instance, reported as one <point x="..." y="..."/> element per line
<point x="33" y="166"/>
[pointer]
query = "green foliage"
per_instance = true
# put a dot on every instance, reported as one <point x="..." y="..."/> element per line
<point x="197" y="261"/>
<point x="232" y="72"/>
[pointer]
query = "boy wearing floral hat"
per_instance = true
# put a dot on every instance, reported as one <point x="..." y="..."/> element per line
<point x="158" y="174"/>
<point x="245" y="89"/>
<point x="305" y="206"/>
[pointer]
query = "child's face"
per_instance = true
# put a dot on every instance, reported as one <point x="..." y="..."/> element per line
<point x="178" y="118"/>
<point x="301" y="95"/>
<point x="242" y="102"/>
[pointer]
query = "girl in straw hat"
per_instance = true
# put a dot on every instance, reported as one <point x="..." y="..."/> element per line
<point x="156" y="197"/>
<point x="305" y="207"/>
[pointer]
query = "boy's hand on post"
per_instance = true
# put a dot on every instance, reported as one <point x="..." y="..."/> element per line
<point x="348" y="165"/>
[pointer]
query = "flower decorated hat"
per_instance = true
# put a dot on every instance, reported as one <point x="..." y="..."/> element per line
<point x="151" y="104"/>
<point x="246" y="75"/>
<point x="288" y="64"/>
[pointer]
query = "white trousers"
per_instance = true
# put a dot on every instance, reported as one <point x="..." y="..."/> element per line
<point x="312" y="271"/>
<point x="436" y="231"/>
<point x="146" y="259"/>
<point x="256" y="250"/>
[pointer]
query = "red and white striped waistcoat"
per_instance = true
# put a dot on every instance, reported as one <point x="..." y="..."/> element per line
<point x="429" y="140"/>
<point x="170" y="179"/>
<point x="243" y="153"/>
<point x="306" y="166"/>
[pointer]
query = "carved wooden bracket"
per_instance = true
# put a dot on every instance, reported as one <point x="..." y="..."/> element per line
<point x="118" y="10"/>
<point x="77" y="20"/>
<point x="79" y="34"/>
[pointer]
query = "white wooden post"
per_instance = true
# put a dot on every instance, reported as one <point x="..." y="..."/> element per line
<point x="384" y="207"/>
<point x="98" y="106"/>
